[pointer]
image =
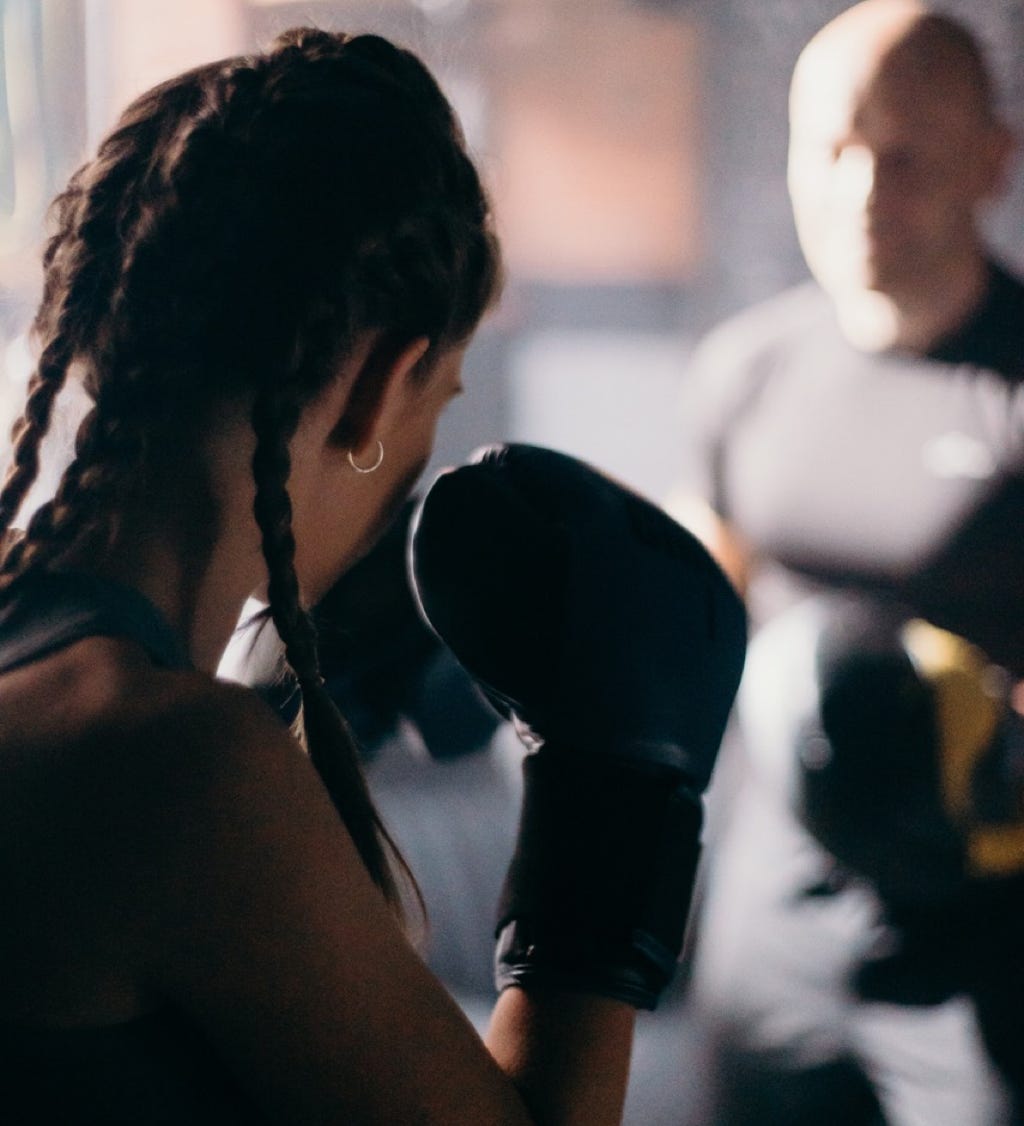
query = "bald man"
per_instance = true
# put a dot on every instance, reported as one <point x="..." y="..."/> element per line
<point x="864" y="433"/>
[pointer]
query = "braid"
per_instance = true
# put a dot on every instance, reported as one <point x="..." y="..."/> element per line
<point x="31" y="428"/>
<point x="109" y="445"/>
<point x="323" y="730"/>
<point x="80" y="275"/>
<point x="66" y="287"/>
<point x="243" y="225"/>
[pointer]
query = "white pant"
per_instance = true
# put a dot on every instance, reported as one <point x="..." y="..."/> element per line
<point x="772" y="968"/>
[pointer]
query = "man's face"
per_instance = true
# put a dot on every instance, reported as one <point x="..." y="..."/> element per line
<point x="886" y="172"/>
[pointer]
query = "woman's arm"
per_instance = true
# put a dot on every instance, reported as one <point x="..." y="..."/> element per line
<point x="567" y="1053"/>
<point x="266" y="929"/>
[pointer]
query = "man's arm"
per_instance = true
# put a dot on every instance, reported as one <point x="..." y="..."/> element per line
<point x="720" y="538"/>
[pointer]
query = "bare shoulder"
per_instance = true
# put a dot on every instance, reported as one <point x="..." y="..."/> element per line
<point x="100" y="688"/>
<point x="191" y="723"/>
<point x="135" y="772"/>
<point x="95" y="709"/>
<point x="119" y="782"/>
<point x="204" y="761"/>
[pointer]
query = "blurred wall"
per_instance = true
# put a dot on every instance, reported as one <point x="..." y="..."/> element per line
<point x="635" y="150"/>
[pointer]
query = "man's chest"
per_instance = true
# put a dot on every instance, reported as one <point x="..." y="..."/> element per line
<point x="870" y="468"/>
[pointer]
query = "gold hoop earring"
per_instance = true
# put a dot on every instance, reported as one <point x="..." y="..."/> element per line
<point x="368" y="468"/>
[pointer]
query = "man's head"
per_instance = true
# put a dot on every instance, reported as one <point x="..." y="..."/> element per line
<point x="895" y="144"/>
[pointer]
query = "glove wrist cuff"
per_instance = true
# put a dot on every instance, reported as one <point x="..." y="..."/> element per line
<point x="598" y="891"/>
<point x="635" y="972"/>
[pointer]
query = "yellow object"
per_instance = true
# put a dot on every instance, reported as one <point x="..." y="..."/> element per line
<point x="968" y="711"/>
<point x="996" y="850"/>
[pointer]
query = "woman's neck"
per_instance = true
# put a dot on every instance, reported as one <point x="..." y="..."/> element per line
<point x="188" y="541"/>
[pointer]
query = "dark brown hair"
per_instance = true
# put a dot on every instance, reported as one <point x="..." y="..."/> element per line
<point x="236" y="231"/>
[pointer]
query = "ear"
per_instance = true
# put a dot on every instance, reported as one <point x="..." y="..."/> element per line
<point x="377" y="391"/>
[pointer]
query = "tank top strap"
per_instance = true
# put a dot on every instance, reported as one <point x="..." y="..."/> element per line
<point x="45" y="612"/>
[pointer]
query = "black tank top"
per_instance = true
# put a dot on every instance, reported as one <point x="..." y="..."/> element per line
<point x="155" y="1070"/>
<point x="46" y="612"/>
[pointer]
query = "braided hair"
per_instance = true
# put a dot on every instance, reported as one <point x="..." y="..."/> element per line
<point x="237" y="231"/>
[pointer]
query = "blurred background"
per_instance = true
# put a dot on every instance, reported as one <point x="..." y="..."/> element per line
<point x="635" y="150"/>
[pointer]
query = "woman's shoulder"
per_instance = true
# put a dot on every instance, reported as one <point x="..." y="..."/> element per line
<point x="133" y="796"/>
<point x="97" y="689"/>
<point x="196" y="711"/>
<point x="119" y="741"/>
<point x="190" y="735"/>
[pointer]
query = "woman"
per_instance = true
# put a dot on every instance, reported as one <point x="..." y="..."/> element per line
<point x="266" y="280"/>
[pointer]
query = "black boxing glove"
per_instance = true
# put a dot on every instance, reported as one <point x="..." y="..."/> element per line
<point x="612" y="640"/>
<point x="869" y="769"/>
